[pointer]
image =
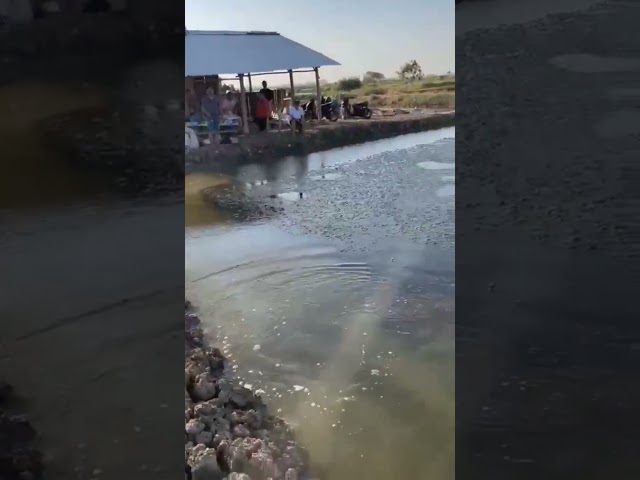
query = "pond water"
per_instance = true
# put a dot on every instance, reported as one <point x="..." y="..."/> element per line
<point x="335" y="300"/>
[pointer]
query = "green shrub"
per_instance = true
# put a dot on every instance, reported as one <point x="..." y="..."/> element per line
<point x="349" y="84"/>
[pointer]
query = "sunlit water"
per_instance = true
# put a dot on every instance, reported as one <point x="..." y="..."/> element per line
<point x="347" y="332"/>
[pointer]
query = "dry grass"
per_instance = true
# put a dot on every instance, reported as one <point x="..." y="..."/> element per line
<point x="430" y="92"/>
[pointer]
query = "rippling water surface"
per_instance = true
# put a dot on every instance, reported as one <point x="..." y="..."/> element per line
<point x="334" y="297"/>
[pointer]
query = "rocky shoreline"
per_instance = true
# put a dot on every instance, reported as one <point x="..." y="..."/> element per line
<point x="229" y="433"/>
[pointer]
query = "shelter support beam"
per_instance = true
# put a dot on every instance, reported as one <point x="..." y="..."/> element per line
<point x="292" y="96"/>
<point x="243" y="105"/>
<point x="318" y="94"/>
<point x="293" y="90"/>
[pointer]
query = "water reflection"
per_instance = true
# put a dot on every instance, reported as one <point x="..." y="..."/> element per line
<point x="289" y="168"/>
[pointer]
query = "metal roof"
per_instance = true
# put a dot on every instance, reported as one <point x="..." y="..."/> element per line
<point x="224" y="53"/>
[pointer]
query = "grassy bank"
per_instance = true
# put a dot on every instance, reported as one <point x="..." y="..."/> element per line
<point x="429" y="92"/>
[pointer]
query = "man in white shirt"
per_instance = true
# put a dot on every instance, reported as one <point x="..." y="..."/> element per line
<point x="296" y="116"/>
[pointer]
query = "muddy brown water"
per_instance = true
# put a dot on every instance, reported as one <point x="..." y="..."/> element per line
<point x="337" y="306"/>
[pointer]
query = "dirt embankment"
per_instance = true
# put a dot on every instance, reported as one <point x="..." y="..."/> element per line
<point x="275" y="145"/>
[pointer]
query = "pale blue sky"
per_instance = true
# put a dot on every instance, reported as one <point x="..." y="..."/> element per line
<point x="377" y="35"/>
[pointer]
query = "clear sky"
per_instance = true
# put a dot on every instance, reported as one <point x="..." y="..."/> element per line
<point x="377" y="35"/>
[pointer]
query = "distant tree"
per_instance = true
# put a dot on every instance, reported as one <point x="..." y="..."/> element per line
<point x="347" y="84"/>
<point x="373" y="77"/>
<point x="410" y="71"/>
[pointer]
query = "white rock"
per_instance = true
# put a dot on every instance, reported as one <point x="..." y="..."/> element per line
<point x="194" y="427"/>
<point x="238" y="476"/>
<point x="204" y="409"/>
<point x="204" y="464"/>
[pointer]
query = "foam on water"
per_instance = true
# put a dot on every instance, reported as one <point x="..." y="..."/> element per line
<point x="435" y="165"/>
<point x="290" y="196"/>
<point x="446" y="191"/>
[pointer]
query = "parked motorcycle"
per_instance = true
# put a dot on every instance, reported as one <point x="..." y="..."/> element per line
<point x="360" y="109"/>
<point x="329" y="108"/>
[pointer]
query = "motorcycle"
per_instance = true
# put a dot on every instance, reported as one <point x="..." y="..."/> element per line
<point x="329" y="109"/>
<point x="360" y="109"/>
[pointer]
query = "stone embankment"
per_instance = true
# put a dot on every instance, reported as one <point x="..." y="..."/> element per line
<point x="229" y="433"/>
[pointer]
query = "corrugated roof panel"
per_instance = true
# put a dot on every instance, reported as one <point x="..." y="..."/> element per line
<point x="224" y="53"/>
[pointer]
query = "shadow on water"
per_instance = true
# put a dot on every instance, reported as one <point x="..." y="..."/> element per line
<point x="354" y="346"/>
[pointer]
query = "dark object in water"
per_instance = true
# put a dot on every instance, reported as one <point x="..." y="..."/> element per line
<point x="300" y="194"/>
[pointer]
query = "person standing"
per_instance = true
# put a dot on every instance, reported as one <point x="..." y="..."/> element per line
<point x="211" y="112"/>
<point x="263" y="112"/>
<point x="266" y="91"/>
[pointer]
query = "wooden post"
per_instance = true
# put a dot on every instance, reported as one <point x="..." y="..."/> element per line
<point x="292" y="96"/>
<point x="293" y="91"/>
<point x="318" y="94"/>
<point x="243" y="105"/>
<point x="279" y="114"/>
<point x="270" y="117"/>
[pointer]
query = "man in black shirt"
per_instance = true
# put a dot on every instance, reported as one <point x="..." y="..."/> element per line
<point x="267" y="92"/>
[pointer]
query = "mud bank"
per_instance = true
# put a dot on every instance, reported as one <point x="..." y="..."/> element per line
<point x="275" y="145"/>
<point x="229" y="433"/>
